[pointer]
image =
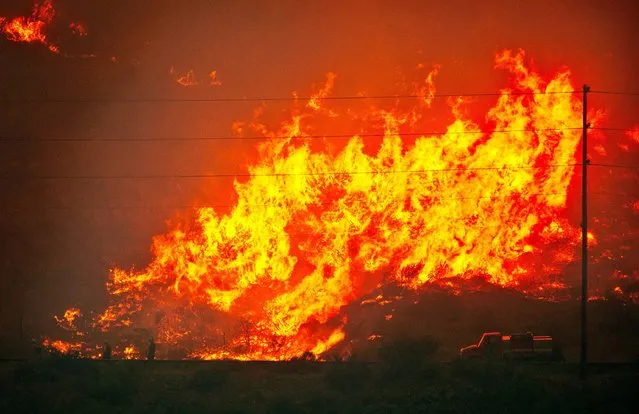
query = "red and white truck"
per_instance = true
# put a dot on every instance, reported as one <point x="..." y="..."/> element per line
<point x="518" y="346"/>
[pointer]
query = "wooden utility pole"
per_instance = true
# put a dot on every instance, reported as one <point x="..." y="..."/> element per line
<point x="584" y="236"/>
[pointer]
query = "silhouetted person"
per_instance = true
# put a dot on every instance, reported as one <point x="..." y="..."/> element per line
<point x="106" y="355"/>
<point x="151" y="354"/>
<point x="37" y="348"/>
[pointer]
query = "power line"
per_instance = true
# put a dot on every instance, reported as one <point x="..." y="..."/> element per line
<point x="306" y="174"/>
<point x="273" y="99"/>
<point x="615" y="93"/>
<point x="248" y="175"/>
<point x="611" y="129"/>
<point x="223" y="206"/>
<point x="4" y="139"/>
<point x="629" y="167"/>
<point x="601" y="195"/>
<point x="329" y="136"/>
<point x="294" y="98"/>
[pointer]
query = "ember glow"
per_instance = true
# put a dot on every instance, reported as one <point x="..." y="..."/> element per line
<point x="189" y="79"/>
<point x="68" y="319"/>
<point x="186" y="80"/>
<point x="214" y="80"/>
<point x="33" y="28"/>
<point x="130" y="352"/>
<point x="62" y="347"/>
<point x="78" y="29"/>
<point x="313" y="230"/>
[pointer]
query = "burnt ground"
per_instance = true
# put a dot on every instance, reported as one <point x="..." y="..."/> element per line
<point x="85" y="386"/>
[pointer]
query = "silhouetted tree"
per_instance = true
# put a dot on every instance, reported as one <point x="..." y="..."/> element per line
<point x="246" y="328"/>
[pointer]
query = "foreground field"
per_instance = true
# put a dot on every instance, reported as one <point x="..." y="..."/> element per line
<point x="409" y="376"/>
<point x="81" y="386"/>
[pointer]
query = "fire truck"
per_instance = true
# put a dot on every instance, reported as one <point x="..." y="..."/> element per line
<point x="517" y="346"/>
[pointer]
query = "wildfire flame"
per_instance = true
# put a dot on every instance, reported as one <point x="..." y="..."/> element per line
<point x="62" y="347"/>
<point x="31" y="29"/>
<point x="68" y="319"/>
<point x="312" y="231"/>
<point x="78" y="29"/>
<point x="130" y="352"/>
<point x="214" y="80"/>
<point x="189" y="79"/>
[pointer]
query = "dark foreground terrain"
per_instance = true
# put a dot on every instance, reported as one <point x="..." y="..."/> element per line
<point x="399" y="386"/>
<point x="410" y="375"/>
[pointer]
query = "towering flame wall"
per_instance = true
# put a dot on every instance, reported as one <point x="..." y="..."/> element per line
<point x="312" y="231"/>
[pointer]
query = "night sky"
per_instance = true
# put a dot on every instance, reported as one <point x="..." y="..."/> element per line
<point x="60" y="236"/>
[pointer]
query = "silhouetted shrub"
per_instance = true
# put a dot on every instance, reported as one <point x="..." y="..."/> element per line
<point x="409" y="356"/>
<point x="384" y="408"/>
<point x="233" y="410"/>
<point x="115" y="386"/>
<point x="461" y="367"/>
<point x="34" y="373"/>
<point x="297" y="366"/>
<point x="322" y="403"/>
<point x="56" y="369"/>
<point x="306" y="356"/>
<point x="483" y="372"/>
<point x="347" y="376"/>
<point x="282" y="406"/>
<point x="208" y="380"/>
<point x="334" y="357"/>
<point x="74" y="367"/>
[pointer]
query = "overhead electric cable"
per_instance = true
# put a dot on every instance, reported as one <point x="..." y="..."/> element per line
<point x="274" y="99"/>
<point x="25" y="139"/>
<point x="249" y="175"/>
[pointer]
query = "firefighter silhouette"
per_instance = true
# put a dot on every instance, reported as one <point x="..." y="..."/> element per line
<point x="37" y="348"/>
<point x="106" y="355"/>
<point x="151" y="352"/>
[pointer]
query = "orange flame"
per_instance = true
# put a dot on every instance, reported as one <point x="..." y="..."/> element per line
<point x="67" y="321"/>
<point x="214" y="80"/>
<point x="63" y="347"/>
<point x="312" y="231"/>
<point x="314" y="102"/>
<point x="426" y="92"/>
<point x="30" y="29"/>
<point x="130" y="352"/>
<point x="189" y="79"/>
<point x="78" y="29"/>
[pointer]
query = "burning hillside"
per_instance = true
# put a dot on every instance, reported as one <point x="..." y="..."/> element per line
<point x="314" y="229"/>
